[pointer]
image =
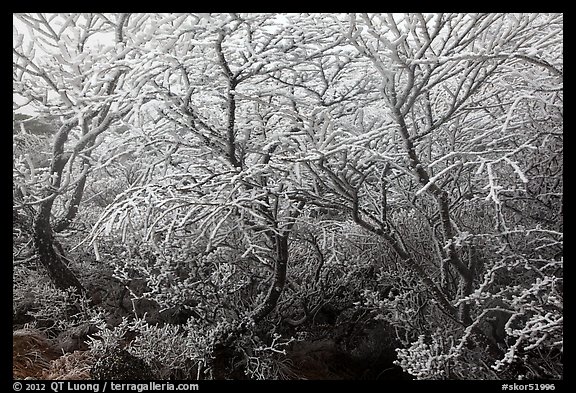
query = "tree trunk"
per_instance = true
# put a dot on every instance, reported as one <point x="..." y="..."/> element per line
<point x="74" y="204"/>
<point x="279" y="280"/>
<point x="44" y="241"/>
<point x="59" y="273"/>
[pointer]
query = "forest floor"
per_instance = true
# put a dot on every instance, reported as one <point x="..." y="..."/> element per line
<point x="334" y="345"/>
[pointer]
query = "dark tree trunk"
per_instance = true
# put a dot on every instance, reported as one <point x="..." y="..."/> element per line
<point x="279" y="280"/>
<point x="74" y="204"/>
<point x="59" y="273"/>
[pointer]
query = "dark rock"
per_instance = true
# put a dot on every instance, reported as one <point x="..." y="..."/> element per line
<point x="178" y="315"/>
<point x="75" y="339"/>
<point x="354" y="346"/>
<point x="20" y="313"/>
<point x="112" y="295"/>
<point x="147" y="309"/>
<point x="119" y="364"/>
<point x="104" y="289"/>
<point x="321" y="359"/>
<point x="225" y="364"/>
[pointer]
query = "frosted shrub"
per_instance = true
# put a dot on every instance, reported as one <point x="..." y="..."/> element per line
<point x="188" y="349"/>
<point x="170" y="350"/>
<point x="107" y="337"/>
<point x="426" y="360"/>
<point x="268" y="361"/>
<point x="439" y="357"/>
<point x="185" y="352"/>
<point x="53" y="310"/>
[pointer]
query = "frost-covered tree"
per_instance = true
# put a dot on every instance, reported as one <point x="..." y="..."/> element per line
<point x="450" y="137"/>
<point x="71" y="66"/>
<point x="258" y="150"/>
